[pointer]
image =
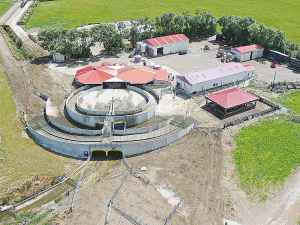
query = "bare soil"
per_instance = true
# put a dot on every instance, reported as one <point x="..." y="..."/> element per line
<point x="197" y="168"/>
<point x="193" y="174"/>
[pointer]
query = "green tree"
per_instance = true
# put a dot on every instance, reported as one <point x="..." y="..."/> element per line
<point x="75" y="43"/>
<point x="235" y="29"/>
<point x="109" y="36"/>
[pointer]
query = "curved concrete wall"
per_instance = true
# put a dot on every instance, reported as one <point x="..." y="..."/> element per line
<point x="152" y="92"/>
<point x="131" y="120"/>
<point x="117" y="113"/>
<point x="77" y="149"/>
<point x="70" y="129"/>
<point x="138" y="137"/>
<point x="144" y="129"/>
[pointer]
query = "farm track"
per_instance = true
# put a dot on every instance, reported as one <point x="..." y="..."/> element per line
<point x="35" y="48"/>
<point x="24" y="91"/>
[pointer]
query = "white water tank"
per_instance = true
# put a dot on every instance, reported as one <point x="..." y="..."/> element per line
<point x="137" y="59"/>
<point x="156" y="67"/>
<point x="150" y="65"/>
<point x="143" y="48"/>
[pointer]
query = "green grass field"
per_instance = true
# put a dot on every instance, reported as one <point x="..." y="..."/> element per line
<point x="4" y="6"/>
<point x="291" y="101"/>
<point x="22" y="157"/>
<point x="267" y="153"/>
<point x="72" y="13"/>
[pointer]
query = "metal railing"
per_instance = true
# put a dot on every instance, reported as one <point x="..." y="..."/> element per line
<point x="78" y="183"/>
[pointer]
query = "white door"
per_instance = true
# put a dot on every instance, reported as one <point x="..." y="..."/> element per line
<point x="166" y="50"/>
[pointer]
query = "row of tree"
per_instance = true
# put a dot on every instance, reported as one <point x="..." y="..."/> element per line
<point x="245" y="30"/>
<point x="237" y="31"/>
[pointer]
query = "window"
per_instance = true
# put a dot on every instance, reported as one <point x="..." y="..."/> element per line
<point x="221" y="71"/>
<point x="203" y="75"/>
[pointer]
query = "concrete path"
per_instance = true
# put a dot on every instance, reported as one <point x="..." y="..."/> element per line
<point x="35" y="48"/>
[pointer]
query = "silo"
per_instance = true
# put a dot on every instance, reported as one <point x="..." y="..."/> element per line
<point x="143" y="48"/>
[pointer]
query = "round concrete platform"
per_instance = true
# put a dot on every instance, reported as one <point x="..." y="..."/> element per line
<point x="123" y="99"/>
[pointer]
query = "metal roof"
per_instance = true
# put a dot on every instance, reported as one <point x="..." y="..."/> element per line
<point x="249" y="67"/>
<point x="93" y="77"/>
<point x="136" y="74"/>
<point x="232" y="97"/>
<point x="212" y="73"/>
<point x="166" y="39"/>
<point x="248" y="48"/>
<point x="89" y="68"/>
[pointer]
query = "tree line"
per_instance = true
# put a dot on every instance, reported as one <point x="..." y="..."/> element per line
<point x="236" y="30"/>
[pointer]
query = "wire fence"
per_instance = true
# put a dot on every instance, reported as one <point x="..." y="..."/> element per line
<point x="273" y="108"/>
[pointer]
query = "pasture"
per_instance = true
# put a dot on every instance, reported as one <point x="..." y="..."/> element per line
<point x="291" y="101"/>
<point x="72" y="13"/>
<point x="4" y="6"/>
<point x="267" y="153"/>
<point x="22" y="157"/>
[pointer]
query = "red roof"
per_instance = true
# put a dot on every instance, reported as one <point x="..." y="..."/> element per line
<point x="249" y="67"/>
<point x="166" y="39"/>
<point x="162" y="75"/>
<point x="136" y="74"/>
<point x="89" y="68"/>
<point x="93" y="77"/>
<point x="232" y="97"/>
<point x="248" y="48"/>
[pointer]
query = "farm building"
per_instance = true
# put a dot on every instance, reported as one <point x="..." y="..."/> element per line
<point x="231" y="101"/>
<point x="245" y="53"/>
<point x="213" y="77"/>
<point x="129" y="74"/>
<point x="167" y="44"/>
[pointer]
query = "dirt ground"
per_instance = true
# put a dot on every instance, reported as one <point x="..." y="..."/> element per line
<point x="193" y="174"/>
<point x="197" y="168"/>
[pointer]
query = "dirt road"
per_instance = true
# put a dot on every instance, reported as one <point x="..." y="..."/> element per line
<point x="35" y="48"/>
<point x="30" y="102"/>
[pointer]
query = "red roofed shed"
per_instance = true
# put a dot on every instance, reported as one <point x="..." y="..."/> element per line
<point x="245" y="53"/>
<point x="231" y="101"/>
<point x="167" y="44"/>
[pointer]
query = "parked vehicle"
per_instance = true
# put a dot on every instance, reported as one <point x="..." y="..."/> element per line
<point x="273" y="65"/>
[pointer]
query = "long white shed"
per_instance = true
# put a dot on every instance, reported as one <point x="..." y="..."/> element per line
<point x="167" y="44"/>
<point x="245" y="53"/>
<point x="213" y="77"/>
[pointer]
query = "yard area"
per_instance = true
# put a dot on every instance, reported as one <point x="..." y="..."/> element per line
<point x="72" y="13"/>
<point x="4" y="6"/>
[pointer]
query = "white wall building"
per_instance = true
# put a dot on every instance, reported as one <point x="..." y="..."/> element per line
<point x="167" y="44"/>
<point x="57" y="57"/>
<point x="213" y="77"/>
<point x="245" y="53"/>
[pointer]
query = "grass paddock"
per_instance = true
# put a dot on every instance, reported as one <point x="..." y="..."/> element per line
<point x="22" y="157"/>
<point x="4" y="6"/>
<point x="72" y="13"/>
